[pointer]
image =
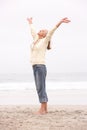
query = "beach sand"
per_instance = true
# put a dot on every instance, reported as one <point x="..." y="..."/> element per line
<point x="63" y="117"/>
<point x="67" y="109"/>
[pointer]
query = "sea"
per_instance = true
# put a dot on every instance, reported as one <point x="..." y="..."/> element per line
<point x="53" y="81"/>
<point x="62" y="89"/>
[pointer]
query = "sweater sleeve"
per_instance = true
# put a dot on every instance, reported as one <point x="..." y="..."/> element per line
<point x="33" y="31"/>
<point x="50" y="33"/>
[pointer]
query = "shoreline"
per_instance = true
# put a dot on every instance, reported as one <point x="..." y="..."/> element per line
<point x="55" y="97"/>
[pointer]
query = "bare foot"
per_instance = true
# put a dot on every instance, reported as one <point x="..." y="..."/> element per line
<point x="41" y="112"/>
<point x="43" y="109"/>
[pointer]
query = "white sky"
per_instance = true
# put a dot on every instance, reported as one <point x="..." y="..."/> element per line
<point x="69" y="43"/>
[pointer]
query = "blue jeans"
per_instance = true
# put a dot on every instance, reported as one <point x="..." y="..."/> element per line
<point x="40" y="78"/>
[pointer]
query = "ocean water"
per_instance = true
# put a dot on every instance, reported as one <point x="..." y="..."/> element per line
<point x="58" y="77"/>
<point x="53" y="81"/>
<point x="19" y="89"/>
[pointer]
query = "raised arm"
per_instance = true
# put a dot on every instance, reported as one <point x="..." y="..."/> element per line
<point x="32" y="29"/>
<point x="64" y="20"/>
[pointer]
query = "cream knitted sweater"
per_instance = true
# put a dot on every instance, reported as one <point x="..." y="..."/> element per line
<point x="38" y="49"/>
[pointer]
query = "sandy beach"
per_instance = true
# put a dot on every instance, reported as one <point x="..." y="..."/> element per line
<point x="63" y="117"/>
<point x="67" y="108"/>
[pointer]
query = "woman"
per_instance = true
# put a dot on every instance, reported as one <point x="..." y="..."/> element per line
<point x="41" y="42"/>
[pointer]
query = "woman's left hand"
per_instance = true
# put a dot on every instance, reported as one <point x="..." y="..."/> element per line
<point x="65" y="20"/>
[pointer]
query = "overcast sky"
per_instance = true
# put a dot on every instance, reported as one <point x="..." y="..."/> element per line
<point x="69" y="43"/>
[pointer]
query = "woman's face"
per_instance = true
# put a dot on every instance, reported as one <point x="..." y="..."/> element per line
<point x="42" y="33"/>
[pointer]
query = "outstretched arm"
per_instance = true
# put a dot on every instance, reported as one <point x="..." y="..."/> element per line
<point x="33" y="31"/>
<point x="64" y="20"/>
